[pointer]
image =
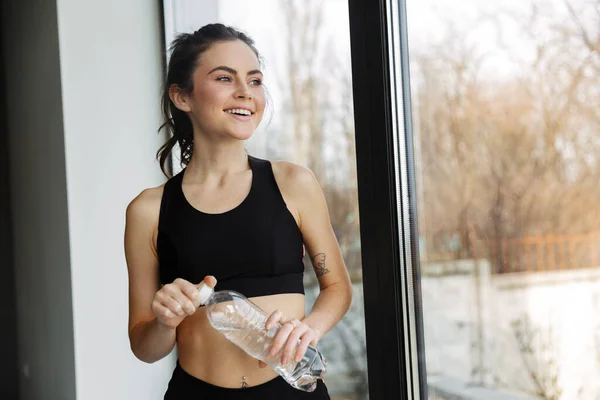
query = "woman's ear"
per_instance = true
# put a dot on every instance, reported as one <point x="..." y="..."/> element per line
<point x="179" y="98"/>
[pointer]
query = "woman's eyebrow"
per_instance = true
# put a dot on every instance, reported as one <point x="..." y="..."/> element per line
<point x="233" y="71"/>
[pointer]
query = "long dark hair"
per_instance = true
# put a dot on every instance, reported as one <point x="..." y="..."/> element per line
<point x="185" y="53"/>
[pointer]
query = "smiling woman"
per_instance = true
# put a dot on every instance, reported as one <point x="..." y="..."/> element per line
<point x="218" y="89"/>
<point x="195" y="75"/>
<point x="230" y="216"/>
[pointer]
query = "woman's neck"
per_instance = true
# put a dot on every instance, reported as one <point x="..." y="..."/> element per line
<point x="215" y="161"/>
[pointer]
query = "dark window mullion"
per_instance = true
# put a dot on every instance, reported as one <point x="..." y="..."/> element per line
<point x="376" y="172"/>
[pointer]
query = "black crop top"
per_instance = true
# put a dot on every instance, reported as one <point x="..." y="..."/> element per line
<point x="255" y="248"/>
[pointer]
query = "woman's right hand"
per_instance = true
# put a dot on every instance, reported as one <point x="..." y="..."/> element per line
<point x="177" y="300"/>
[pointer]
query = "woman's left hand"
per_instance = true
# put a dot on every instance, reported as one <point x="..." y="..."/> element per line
<point x="293" y="337"/>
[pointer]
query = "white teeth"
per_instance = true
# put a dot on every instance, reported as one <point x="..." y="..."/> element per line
<point x="239" y="111"/>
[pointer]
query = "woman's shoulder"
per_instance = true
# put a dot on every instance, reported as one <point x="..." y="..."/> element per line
<point x="294" y="175"/>
<point x="295" y="180"/>
<point x="146" y="205"/>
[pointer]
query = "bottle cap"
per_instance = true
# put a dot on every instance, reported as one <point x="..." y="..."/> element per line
<point x="204" y="293"/>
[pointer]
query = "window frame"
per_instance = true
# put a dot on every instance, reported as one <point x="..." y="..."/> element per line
<point x="387" y="203"/>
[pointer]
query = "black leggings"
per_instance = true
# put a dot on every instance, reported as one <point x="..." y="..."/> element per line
<point x="184" y="386"/>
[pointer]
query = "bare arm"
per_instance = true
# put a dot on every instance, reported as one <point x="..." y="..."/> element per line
<point x="155" y="310"/>
<point x="150" y="339"/>
<point x="335" y="293"/>
<point x="302" y="189"/>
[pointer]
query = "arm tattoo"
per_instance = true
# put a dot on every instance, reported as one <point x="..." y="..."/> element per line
<point x="318" y="262"/>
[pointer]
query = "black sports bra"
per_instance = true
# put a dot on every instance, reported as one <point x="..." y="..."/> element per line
<point x="255" y="249"/>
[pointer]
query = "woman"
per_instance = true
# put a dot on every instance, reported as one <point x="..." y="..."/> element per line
<point x="229" y="216"/>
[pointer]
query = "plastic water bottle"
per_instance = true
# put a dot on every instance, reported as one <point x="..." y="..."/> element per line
<point x="243" y="323"/>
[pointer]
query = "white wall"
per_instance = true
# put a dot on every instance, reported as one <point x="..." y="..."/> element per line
<point x="83" y="89"/>
<point x="470" y="336"/>
<point x="111" y="70"/>
<point x="186" y="16"/>
<point x="38" y="200"/>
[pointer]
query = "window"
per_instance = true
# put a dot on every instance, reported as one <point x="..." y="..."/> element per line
<point x="506" y="126"/>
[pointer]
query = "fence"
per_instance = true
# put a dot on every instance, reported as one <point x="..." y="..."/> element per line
<point x="545" y="253"/>
<point x="539" y="253"/>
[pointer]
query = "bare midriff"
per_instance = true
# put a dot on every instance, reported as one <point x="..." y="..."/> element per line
<point x="207" y="355"/>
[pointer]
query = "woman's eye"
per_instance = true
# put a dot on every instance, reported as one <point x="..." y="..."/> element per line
<point x="256" y="82"/>
<point x="224" y="79"/>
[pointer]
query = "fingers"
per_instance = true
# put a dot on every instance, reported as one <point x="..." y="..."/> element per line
<point x="276" y="317"/>
<point x="292" y="339"/>
<point x="281" y="338"/>
<point x="165" y="300"/>
<point x="307" y="338"/>
<point x="163" y="312"/>
<point x="179" y="297"/>
<point x="175" y="301"/>
<point x="189" y="291"/>
<point x="184" y="305"/>
<point x="299" y="330"/>
<point x="210" y="281"/>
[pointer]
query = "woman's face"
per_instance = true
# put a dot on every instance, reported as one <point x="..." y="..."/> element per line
<point x="228" y="99"/>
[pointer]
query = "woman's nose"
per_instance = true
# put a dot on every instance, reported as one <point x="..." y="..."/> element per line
<point x="243" y="92"/>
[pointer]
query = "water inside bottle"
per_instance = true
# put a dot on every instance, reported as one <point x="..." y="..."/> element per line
<point x="258" y="344"/>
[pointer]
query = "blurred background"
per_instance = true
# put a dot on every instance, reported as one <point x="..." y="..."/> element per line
<point x="506" y="108"/>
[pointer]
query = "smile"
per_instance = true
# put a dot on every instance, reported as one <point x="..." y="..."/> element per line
<point x="239" y="111"/>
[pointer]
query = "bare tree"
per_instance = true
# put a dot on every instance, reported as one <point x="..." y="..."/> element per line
<point x="320" y="121"/>
<point x="305" y="106"/>
<point x="510" y="156"/>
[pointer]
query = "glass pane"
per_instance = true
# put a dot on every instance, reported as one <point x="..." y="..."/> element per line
<point x="306" y="48"/>
<point x="506" y="112"/>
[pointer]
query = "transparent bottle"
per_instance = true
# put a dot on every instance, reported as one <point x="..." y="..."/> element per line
<point x="243" y="323"/>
